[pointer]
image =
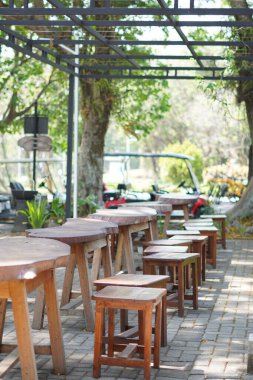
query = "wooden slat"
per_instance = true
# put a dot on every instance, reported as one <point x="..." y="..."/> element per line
<point x="129" y="333"/>
<point x="129" y="351"/>
<point x="9" y="361"/>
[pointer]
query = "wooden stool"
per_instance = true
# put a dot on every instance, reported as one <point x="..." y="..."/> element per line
<point x="221" y="220"/>
<point x="179" y="261"/>
<point x="211" y="232"/>
<point x="138" y="280"/>
<point x="171" y="233"/>
<point x="199" y="245"/>
<point x="121" y="297"/>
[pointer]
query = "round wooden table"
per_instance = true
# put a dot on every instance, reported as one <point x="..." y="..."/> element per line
<point x="162" y="209"/>
<point x="26" y="264"/>
<point x="179" y="201"/>
<point x="81" y="241"/>
<point x="129" y="221"/>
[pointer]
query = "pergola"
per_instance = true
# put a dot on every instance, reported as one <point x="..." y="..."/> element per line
<point x="58" y="34"/>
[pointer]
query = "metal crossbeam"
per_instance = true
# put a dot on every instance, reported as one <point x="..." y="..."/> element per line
<point x="185" y="77"/>
<point x="13" y="37"/>
<point x="92" y="32"/>
<point x="11" y="11"/>
<point x="158" y="68"/>
<point x="126" y="23"/>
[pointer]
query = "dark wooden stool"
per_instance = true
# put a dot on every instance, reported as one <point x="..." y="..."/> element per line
<point x="221" y="220"/>
<point x="138" y="280"/>
<point x="122" y="297"/>
<point x="179" y="261"/>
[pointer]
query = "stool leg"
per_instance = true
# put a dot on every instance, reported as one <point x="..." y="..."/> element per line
<point x="180" y="290"/>
<point x="195" y="285"/>
<point x="110" y="332"/>
<point x="147" y="341"/>
<point x="3" y="306"/>
<point x="223" y="233"/>
<point x="164" y="322"/>
<point x="98" y="340"/>
<point x="23" y="330"/>
<point x="54" y="324"/>
<point x="203" y="270"/>
<point x="157" y="340"/>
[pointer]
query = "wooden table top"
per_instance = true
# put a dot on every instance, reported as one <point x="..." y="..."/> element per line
<point x="165" y="242"/>
<point x="126" y="216"/>
<point x="159" y="207"/>
<point x="177" y="198"/>
<point x="23" y="258"/>
<point x="67" y="235"/>
<point x="92" y="224"/>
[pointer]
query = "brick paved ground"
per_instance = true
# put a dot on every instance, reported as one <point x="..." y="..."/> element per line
<point x="210" y="343"/>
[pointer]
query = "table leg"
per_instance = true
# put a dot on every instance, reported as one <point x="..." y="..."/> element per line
<point x="96" y="263"/>
<point x="118" y="258"/>
<point x="54" y="323"/>
<point x="23" y="331"/>
<point x="128" y="249"/>
<point x="152" y="232"/>
<point x="166" y="223"/>
<point x="212" y="243"/>
<point x="186" y="213"/>
<point x="82" y="264"/>
<point x="107" y="261"/>
<point x="68" y="279"/>
<point x="39" y="309"/>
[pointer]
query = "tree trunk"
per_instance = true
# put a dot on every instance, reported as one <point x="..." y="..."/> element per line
<point x="96" y="106"/>
<point x="244" y="207"/>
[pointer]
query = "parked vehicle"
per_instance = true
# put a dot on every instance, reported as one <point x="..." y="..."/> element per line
<point x="121" y="195"/>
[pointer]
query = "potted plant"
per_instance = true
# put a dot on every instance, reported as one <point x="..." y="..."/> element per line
<point x="37" y="213"/>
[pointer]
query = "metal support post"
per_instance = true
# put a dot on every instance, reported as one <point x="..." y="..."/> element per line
<point x="70" y="145"/>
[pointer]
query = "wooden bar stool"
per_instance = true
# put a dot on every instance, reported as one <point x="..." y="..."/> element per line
<point x="138" y="280"/>
<point x="121" y="297"/>
<point x="179" y="262"/>
<point x="221" y="220"/>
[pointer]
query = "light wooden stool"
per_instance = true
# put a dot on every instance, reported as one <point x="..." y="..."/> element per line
<point x="179" y="261"/>
<point x="121" y="297"/>
<point x="138" y="280"/>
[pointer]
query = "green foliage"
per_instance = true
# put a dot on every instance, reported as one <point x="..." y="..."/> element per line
<point x="37" y="213"/>
<point x="57" y="211"/>
<point x="175" y="170"/>
<point x="87" y="205"/>
<point x="141" y="103"/>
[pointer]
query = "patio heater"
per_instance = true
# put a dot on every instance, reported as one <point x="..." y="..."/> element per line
<point x="36" y="126"/>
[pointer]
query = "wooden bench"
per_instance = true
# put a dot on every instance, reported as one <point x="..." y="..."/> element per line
<point x="120" y="297"/>
<point x="180" y="263"/>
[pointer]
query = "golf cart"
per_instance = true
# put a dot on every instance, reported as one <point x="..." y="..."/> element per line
<point x="190" y="185"/>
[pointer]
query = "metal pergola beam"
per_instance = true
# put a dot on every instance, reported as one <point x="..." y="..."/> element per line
<point x="184" y="77"/>
<point x="126" y="23"/>
<point x="18" y="11"/>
